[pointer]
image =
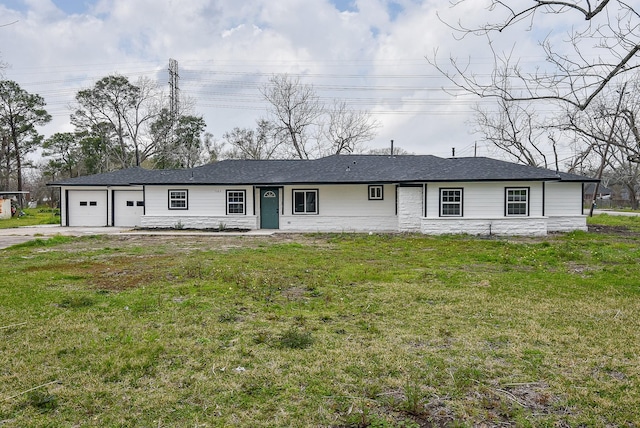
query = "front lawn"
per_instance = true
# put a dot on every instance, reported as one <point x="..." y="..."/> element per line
<point x="620" y="222"/>
<point x="321" y="330"/>
<point x="32" y="217"/>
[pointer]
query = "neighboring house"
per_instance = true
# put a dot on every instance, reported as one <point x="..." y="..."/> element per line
<point x="340" y="193"/>
<point x="589" y="188"/>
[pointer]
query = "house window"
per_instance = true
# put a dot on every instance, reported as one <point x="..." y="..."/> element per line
<point x="517" y="203"/>
<point x="93" y="204"/>
<point x="129" y="203"/>
<point x="305" y="202"/>
<point x="450" y="202"/>
<point x="375" y="193"/>
<point x="178" y="199"/>
<point x="83" y="203"/>
<point x="235" y="201"/>
<point x="140" y="203"/>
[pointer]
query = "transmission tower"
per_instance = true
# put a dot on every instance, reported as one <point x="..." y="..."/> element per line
<point x="173" y="87"/>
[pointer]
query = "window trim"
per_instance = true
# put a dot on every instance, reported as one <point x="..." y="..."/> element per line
<point x="244" y="201"/>
<point x="305" y="191"/>
<point x="461" y="203"/>
<point x="375" y="197"/>
<point x="186" y="199"/>
<point x="527" y="202"/>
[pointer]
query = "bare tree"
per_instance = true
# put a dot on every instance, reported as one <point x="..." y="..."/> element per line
<point x="386" y="151"/>
<point x="295" y="110"/>
<point x="513" y="129"/>
<point x="213" y="148"/>
<point x="246" y="143"/>
<point x="609" y="132"/>
<point x="303" y="127"/>
<point x="574" y="75"/>
<point x="348" y="129"/>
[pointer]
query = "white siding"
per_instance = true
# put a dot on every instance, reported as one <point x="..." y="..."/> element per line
<point x="410" y="208"/>
<point x="484" y="200"/>
<point x="342" y="208"/>
<point x="202" y="200"/>
<point x="5" y="209"/>
<point x="345" y="208"/>
<point x="564" y="207"/>
<point x="563" y="199"/>
<point x="207" y="208"/>
<point x="483" y="210"/>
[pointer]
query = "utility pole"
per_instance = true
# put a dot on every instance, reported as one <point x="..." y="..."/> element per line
<point x="606" y="149"/>
<point x="174" y="90"/>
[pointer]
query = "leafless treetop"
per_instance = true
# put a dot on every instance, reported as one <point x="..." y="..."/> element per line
<point x="573" y="75"/>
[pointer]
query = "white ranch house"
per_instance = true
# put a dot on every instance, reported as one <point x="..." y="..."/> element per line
<point x="340" y="193"/>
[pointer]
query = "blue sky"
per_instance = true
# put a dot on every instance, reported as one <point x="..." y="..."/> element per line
<point x="74" y="6"/>
<point x="67" y="6"/>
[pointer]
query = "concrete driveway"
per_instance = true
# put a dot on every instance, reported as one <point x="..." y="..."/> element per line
<point x="623" y="213"/>
<point x="18" y="235"/>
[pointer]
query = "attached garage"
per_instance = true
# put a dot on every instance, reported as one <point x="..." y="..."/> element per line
<point x="108" y="199"/>
<point x="128" y="207"/>
<point x="87" y="208"/>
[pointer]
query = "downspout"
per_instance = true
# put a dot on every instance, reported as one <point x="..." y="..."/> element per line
<point x="66" y="207"/>
<point x="113" y="211"/>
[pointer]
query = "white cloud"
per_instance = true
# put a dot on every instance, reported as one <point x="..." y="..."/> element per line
<point x="368" y="52"/>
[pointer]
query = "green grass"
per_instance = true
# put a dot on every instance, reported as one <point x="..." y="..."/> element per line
<point x="631" y="223"/>
<point x="321" y="330"/>
<point x="32" y="217"/>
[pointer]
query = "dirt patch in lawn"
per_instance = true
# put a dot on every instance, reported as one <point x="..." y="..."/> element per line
<point x="612" y="230"/>
<point x="118" y="263"/>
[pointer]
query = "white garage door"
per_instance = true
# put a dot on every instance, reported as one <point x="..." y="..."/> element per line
<point x="128" y="207"/>
<point x="87" y="207"/>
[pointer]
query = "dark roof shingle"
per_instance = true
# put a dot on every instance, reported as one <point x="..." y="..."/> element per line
<point x="331" y="170"/>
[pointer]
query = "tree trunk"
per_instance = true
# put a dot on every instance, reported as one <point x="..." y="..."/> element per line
<point x="5" y="152"/>
<point x="632" y="196"/>
<point x="14" y="137"/>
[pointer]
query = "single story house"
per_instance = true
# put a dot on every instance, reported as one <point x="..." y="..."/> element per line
<point x="339" y="193"/>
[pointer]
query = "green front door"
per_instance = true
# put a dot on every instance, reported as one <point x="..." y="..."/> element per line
<point x="269" y="208"/>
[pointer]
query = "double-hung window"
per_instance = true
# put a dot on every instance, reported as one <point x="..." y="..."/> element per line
<point x="178" y="200"/>
<point x="450" y="202"/>
<point x="305" y="202"/>
<point x="517" y="202"/>
<point x="236" y="201"/>
<point x="375" y="193"/>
